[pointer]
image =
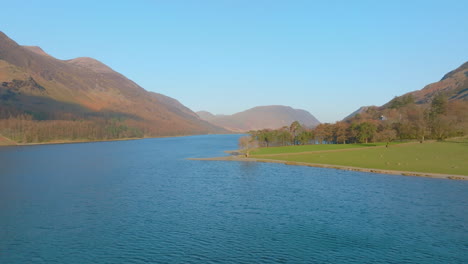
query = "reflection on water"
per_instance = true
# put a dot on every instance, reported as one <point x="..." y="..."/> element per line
<point x="249" y="168"/>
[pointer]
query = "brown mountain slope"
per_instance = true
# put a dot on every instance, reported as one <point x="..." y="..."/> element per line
<point x="36" y="49"/>
<point x="261" y="117"/>
<point x="360" y="110"/>
<point x="454" y="86"/>
<point x="205" y="115"/>
<point x="33" y="82"/>
<point x="91" y="64"/>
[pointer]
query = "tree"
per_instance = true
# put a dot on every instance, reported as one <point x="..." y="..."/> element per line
<point x="438" y="105"/>
<point x="329" y="133"/>
<point x="439" y="122"/>
<point x="459" y="112"/>
<point x="265" y="137"/>
<point x="365" y="131"/>
<point x="418" y="118"/>
<point x="386" y="135"/>
<point x="304" y="137"/>
<point x="320" y="133"/>
<point x="283" y="135"/>
<point x="441" y="126"/>
<point x="294" y="129"/>
<point x="341" y="132"/>
<point x="401" y="101"/>
<point x="246" y="143"/>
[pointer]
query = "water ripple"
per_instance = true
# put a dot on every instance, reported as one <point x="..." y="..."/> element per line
<point x="154" y="206"/>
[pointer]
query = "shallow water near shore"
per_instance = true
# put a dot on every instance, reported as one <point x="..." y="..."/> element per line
<point x="142" y="201"/>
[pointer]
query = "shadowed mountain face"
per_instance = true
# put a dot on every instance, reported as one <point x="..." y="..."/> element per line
<point x="33" y="82"/>
<point x="261" y="117"/>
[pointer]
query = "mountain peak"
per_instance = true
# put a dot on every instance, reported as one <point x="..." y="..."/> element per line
<point x="4" y="36"/>
<point x="261" y="117"/>
<point x="205" y="115"/>
<point x="91" y="64"/>
<point x="463" y="67"/>
<point x="37" y="50"/>
<point x="272" y="107"/>
<point x="6" y="42"/>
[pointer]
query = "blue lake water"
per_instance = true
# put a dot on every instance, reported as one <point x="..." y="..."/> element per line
<point x="143" y="202"/>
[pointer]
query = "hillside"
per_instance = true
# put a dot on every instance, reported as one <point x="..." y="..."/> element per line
<point x="438" y="111"/>
<point x="453" y="86"/>
<point x="207" y="115"/>
<point x="261" y="117"/>
<point x="360" y="110"/>
<point x="38" y="87"/>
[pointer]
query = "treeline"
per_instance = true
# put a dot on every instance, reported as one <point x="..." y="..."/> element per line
<point x="23" y="129"/>
<point x="36" y="127"/>
<point x="403" y="119"/>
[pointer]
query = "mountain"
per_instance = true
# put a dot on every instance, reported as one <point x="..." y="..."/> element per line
<point x="261" y="117"/>
<point x="453" y="86"/>
<point x="207" y="115"/>
<point x="41" y="87"/>
<point x="360" y="110"/>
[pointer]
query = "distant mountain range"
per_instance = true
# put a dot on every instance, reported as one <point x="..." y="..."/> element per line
<point x="35" y="86"/>
<point x="261" y="117"/>
<point x="46" y="88"/>
<point x="454" y="86"/>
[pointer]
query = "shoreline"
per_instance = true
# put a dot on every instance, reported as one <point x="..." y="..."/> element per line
<point x="340" y="167"/>
<point x="60" y="142"/>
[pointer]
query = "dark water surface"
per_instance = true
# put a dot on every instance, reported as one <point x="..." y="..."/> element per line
<point x="143" y="202"/>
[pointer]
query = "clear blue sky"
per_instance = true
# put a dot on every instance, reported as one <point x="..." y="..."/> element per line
<point x="327" y="57"/>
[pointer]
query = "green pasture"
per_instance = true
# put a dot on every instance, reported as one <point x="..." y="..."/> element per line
<point x="450" y="157"/>
<point x="309" y="148"/>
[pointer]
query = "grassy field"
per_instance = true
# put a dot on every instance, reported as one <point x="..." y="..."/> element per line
<point x="309" y="148"/>
<point x="449" y="157"/>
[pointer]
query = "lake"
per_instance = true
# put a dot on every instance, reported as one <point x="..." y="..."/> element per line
<point x="142" y="201"/>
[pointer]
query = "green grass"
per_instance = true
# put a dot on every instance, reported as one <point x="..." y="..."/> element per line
<point x="432" y="157"/>
<point x="309" y="148"/>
